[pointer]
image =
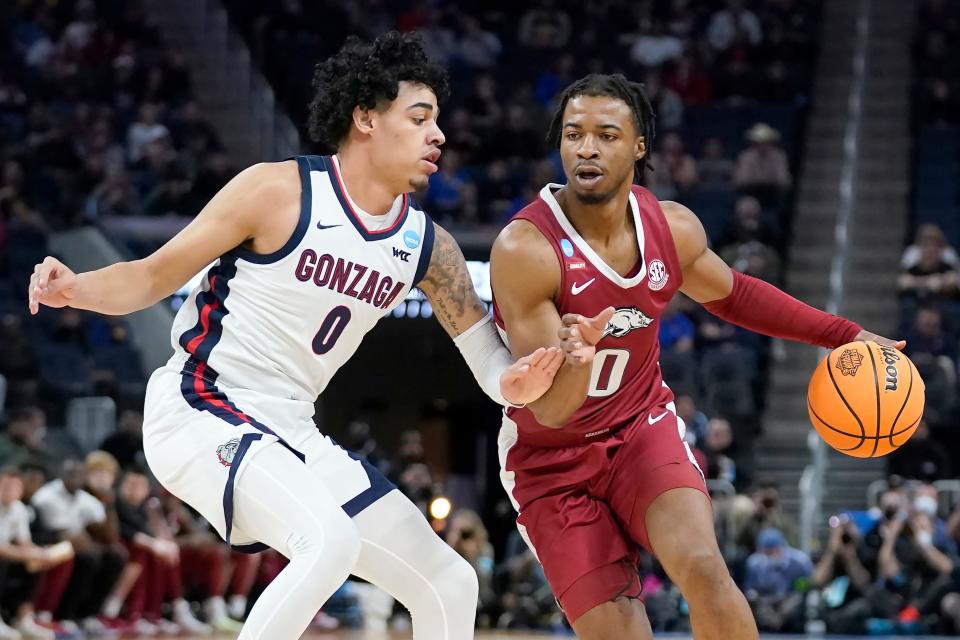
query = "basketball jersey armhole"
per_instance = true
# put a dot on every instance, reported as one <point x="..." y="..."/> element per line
<point x="670" y="250"/>
<point x="554" y="242"/>
<point x="426" y="252"/>
<point x="306" y="202"/>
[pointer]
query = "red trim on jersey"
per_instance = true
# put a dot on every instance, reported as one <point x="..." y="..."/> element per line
<point x="204" y="320"/>
<point x="200" y="388"/>
<point x="350" y="210"/>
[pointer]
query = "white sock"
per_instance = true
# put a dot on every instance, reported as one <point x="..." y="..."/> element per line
<point x="237" y="606"/>
<point x="111" y="608"/>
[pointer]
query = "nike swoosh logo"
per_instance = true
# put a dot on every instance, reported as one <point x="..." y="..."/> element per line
<point x="322" y="226"/>
<point x="660" y="417"/>
<point x="577" y="289"/>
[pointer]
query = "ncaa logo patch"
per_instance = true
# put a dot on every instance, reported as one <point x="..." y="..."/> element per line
<point x="411" y="239"/>
<point x="657" y="275"/>
<point x="567" y="247"/>
<point x="849" y="362"/>
<point x="227" y="451"/>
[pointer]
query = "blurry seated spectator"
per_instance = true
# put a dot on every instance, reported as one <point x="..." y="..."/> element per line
<point x="477" y="48"/>
<point x="114" y="196"/>
<point x="666" y="102"/>
<point x="927" y="338"/>
<point x="753" y="258"/>
<point x="720" y="464"/>
<point x="16" y="354"/>
<point x="158" y="555"/>
<point x="931" y="276"/>
<point x="767" y="512"/>
<point x="843" y="575"/>
<point x="468" y="537"/>
<point x="483" y="105"/>
<point x="747" y="225"/>
<point x="929" y="234"/>
<point x="146" y="129"/>
<point x="732" y="24"/>
<point x="676" y="328"/>
<point x="763" y="165"/>
<point x="674" y="170"/>
<point x="653" y="45"/>
<point x="126" y="443"/>
<point x="21" y="561"/>
<point x="690" y="81"/>
<point x="452" y="193"/>
<point x="714" y="167"/>
<point x="525" y="597"/>
<point x="545" y="26"/>
<point x="173" y="196"/>
<point x="78" y="517"/>
<point x="696" y="422"/>
<point x="774" y="582"/>
<point x="23" y="439"/>
<point x="204" y="561"/>
<point x="916" y="560"/>
<point x="920" y="458"/>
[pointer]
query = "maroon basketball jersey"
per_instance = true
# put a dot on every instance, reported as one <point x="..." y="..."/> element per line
<point x="626" y="379"/>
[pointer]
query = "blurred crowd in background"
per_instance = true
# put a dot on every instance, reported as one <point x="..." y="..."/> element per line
<point x="98" y="122"/>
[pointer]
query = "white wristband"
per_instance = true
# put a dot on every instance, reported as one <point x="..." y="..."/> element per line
<point x="486" y="356"/>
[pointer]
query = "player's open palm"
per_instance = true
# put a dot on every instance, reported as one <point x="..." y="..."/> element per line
<point x="579" y="335"/>
<point x="529" y="377"/>
<point x="51" y="284"/>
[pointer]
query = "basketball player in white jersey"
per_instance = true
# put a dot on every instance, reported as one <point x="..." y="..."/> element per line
<point x="310" y="253"/>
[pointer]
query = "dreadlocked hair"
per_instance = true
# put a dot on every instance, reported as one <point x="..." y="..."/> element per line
<point x="367" y="75"/>
<point x="613" y="86"/>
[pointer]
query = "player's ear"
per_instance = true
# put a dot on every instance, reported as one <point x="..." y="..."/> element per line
<point x="363" y="119"/>
<point x="639" y="147"/>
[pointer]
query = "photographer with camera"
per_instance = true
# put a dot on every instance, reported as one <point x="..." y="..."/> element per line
<point x="468" y="537"/>
<point x="917" y="558"/>
<point x="767" y="512"/>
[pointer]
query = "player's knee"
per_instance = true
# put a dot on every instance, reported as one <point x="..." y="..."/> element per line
<point x="335" y="538"/>
<point x="703" y="572"/>
<point x="455" y="581"/>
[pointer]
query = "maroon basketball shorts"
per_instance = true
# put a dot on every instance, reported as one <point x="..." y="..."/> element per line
<point x="576" y="504"/>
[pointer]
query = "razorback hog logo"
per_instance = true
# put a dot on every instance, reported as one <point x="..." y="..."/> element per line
<point x="625" y="320"/>
<point x="890" y="358"/>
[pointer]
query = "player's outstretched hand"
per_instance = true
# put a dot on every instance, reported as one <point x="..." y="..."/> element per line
<point x="886" y="342"/>
<point x="51" y="284"/>
<point x="529" y="377"/>
<point x="579" y="335"/>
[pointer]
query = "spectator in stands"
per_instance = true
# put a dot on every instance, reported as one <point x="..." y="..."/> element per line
<point x="929" y="234"/>
<point x="145" y="130"/>
<point x="126" y="443"/>
<point x="714" y="167"/>
<point x="718" y="448"/>
<point x="844" y="577"/>
<point x="950" y="607"/>
<point x="115" y="195"/>
<point x="747" y="225"/>
<point x="477" y="48"/>
<point x="468" y="537"/>
<point x="23" y="439"/>
<point x="653" y="45"/>
<point x="695" y="420"/>
<point x="917" y="558"/>
<point x="452" y="194"/>
<point x="774" y="582"/>
<point x="525" y="596"/>
<point x="204" y="561"/>
<point x="545" y="26"/>
<point x="920" y="458"/>
<point x="666" y="102"/>
<point x="732" y="24"/>
<point x="76" y="516"/>
<point x="931" y="277"/>
<point x="766" y="512"/>
<point x="763" y="166"/>
<point x="677" y="331"/>
<point x="152" y="547"/>
<point x="928" y="340"/>
<point x="690" y="81"/>
<point x="173" y="196"/>
<point x="21" y="561"/>
<point x="674" y="170"/>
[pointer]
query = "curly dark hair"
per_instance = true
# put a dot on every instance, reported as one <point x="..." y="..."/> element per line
<point x="367" y="75"/>
<point x="613" y="86"/>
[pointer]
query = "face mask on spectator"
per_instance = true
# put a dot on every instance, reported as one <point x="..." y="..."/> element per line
<point x="926" y="504"/>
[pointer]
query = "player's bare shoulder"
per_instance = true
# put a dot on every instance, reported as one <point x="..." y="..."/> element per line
<point x="522" y="258"/>
<point x="689" y="238"/>
<point x="267" y="198"/>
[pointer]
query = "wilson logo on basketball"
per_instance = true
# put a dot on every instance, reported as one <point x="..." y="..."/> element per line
<point x="890" y="358"/>
<point x="849" y="362"/>
<point x="227" y="451"/>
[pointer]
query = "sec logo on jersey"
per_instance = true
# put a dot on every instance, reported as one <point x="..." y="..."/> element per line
<point x="657" y="275"/>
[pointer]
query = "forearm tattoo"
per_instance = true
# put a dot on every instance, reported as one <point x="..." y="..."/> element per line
<point x="448" y="286"/>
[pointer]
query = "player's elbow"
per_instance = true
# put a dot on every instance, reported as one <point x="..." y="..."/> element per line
<point x="549" y="417"/>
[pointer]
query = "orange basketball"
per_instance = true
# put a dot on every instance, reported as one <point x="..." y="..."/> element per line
<point x="865" y="400"/>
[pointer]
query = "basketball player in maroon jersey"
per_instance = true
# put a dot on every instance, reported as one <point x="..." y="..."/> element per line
<point x="598" y="465"/>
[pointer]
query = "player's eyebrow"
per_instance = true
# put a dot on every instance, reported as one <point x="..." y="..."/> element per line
<point x="603" y="126"/>
<point x="422" y="105"/>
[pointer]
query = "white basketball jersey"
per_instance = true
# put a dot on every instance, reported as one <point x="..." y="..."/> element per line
<point x="283" y="323"/>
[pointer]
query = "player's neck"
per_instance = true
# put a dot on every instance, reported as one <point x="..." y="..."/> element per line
<point x="361" y="184"/>
<point x="597" y="221"/>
